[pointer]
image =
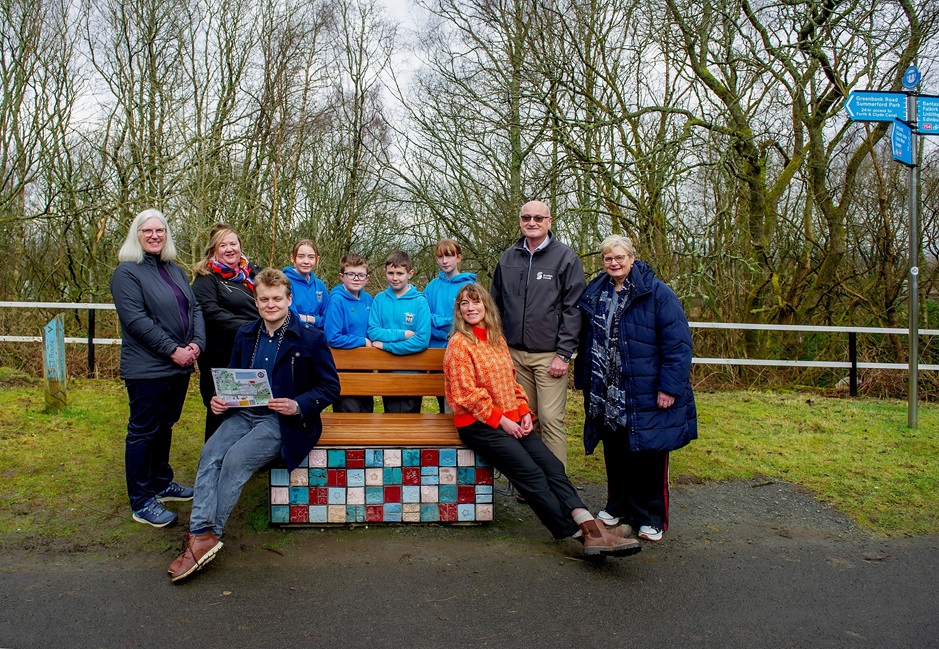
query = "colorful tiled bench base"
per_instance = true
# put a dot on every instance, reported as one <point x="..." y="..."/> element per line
<point x="383" y="485"/>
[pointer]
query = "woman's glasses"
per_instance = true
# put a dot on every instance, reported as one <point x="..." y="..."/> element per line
<point x="615" y="259"/>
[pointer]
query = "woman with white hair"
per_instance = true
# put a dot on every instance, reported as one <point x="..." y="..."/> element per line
<point x="634" y="366"/>
<point x="162" y="335"/>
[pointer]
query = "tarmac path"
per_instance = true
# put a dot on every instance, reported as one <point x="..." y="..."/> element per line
<point x="757" y="564"/>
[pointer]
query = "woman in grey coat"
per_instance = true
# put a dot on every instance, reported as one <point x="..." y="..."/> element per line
<point x="162" y="336"/>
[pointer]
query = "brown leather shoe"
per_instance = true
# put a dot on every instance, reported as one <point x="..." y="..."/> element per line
<point x="623" y="530"/>
<point x="598" y="541"/>
<point x="198" y="551"/>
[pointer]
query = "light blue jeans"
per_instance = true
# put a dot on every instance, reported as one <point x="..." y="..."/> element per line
<point x="245" y="442"/>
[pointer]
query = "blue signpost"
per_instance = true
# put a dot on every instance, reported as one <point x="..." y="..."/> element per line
<point x="901" y="140"/>
<point x="911" y="114"/>
<point x="871" y="106"/>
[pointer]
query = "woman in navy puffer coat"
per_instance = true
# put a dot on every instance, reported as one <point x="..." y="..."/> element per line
<point x="634" y="366"/>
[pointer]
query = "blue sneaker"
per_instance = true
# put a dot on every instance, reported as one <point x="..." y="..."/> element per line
<point x="174" y="491"/>
<point x="153" y="513"/>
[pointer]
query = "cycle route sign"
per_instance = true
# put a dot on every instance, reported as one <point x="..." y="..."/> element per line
<point x="874" y="106"/>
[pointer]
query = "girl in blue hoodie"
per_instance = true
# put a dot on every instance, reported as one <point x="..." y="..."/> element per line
<point x="441" y="294"/>
<point x="310" y="297"/>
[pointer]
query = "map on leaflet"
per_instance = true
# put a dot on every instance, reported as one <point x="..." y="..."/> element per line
<point x="242" y="388"/>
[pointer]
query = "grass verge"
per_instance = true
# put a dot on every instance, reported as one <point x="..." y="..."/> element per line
<point x="62" y="482"/>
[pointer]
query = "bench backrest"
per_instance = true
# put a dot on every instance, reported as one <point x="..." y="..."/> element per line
<point x="370" y="372"/>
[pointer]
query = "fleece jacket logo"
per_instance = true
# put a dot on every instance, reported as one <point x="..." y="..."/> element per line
<point x="541" y="275"/>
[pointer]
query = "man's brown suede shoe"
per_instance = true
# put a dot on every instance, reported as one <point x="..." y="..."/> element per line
<point x="597" y="540"/>
<point x="198" y="551"/>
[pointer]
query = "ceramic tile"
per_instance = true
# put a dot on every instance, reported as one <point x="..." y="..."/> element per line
<point x="392" y="457"/>
<point x="410" y="475"/>
<point x="280" y="477"/>
<point x="430" y="477"/>
<point x="447" y="475"/>
<point x="374" y="495"/>
<point x="355" y="513"/>
<point x="447" y="493"/>
<point x="299" y="477"/>
<point x="483" y="493"/>
<point x="336" y="477"/>
<point x="336" y="514"/>
<point x="392" y="513"/>
<point x="391" y="475"/>
<point x="466" y="475"/>
<point x="411" y="517"/>
<point x="411" y="508"/>
<point x="318" y="513"/>
<point x="374" y="476"/>
<point x="465" y="457"/>
<point x="483" y="512"/>
<point x="429" y="495"/>
<point x="299" y="514"/>
<point x="483" y="475"/>
<point x="447" y="457"/>
<point x="337" y="496"/>
<point x="305" y="462"/>
<point x="355" y="477"/>
<point x="280" y="496"/>
<point x="318" y="477"/>
<point x="336" y="458"/>
<point x="447" y="512"/>
<point x="319" y="495"/>
<point x="374" y="457"/>
<point x="318" y="458"/>
<point x="466" y="512"/>
<point x="481" y="462"/>
<point x="280" y="514"/>
<point x="466" y="494"/>
<point x="392" y="494"/>
<point x="430" y="513"/>
<point x="299" y="495"/>
<point x="374" y="513"/>
<point x="411" y="457"/>
<point x="430" y="457"/>
<point x="410" y="494"/>
<point x="355" y="496"/>
<point x="355" y="458"/>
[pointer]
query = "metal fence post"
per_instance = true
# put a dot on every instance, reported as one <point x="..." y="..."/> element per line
<point x="852" y="358"/>
<point x="91" y="343"/>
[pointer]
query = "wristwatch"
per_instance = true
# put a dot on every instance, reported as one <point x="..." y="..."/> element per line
<point x="564" y="357"/>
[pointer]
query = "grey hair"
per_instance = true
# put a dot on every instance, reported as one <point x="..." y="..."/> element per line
<point x="131" y="250"/>
<point x="618" y="240"/>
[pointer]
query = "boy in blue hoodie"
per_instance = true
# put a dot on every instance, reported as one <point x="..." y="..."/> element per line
<point x="347" y="320"/>
<point x="310" y="297"/>
<point x="399" y="321"/>
<point x="441" y="294"/>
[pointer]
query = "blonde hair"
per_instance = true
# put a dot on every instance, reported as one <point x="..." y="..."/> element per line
<point x="614" y="240"/>
<point x="131" y="250"/>
<point x="219" y="232"/>
<point x="491" y="319"/>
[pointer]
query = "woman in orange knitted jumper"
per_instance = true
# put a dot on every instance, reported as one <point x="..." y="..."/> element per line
<point x="491" y="414"/>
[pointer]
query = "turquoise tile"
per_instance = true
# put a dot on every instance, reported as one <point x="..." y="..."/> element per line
<point x="392" y="513"/>
<point x="374" y="457"/>
<point x="318" y="513"/>
<point x="484" y="493"/>
<point x="280" y="478"/>
<point x="299" y="495"/>
<point x="447" y="493"/>
<point x="280" y="514"/>
<point x="392" y="475"/>
<point x="447" y="457"/>
<point x="335" y="458"/>
<point x="355" y="513"/>
<point x="317" y="477"/>
<point x="411" y="457"/>
<point x="466" y="475"/>
<point x="374" y="495"/>
<point x="430" y="512"/>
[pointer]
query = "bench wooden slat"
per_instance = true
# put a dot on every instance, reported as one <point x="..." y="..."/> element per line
<point x="369" y="358"/>
<point x="388" y="429"/>
<point x="354" y="384"/>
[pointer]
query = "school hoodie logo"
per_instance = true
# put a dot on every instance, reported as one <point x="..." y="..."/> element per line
<point x="319" y="296"/>
<point x="408" y="318"/>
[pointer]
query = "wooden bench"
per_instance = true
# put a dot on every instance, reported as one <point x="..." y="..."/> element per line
<point x="385" y="467"/>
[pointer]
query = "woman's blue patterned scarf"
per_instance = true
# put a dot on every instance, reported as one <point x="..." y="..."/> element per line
<point x="607" y="384"/>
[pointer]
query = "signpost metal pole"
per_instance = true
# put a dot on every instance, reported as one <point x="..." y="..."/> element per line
<point x="912" y="406"/>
